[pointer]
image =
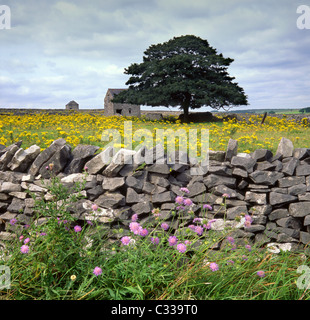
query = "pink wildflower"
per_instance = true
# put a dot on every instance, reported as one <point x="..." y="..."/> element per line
<point x="125" y="240"/>
<point x="261" y="273"/>
<point x="214" y="266"/>
<point x="187" y="202"/>
<point x="135" y="227"/>
<point x="77" y="228"/>
<point x="199" y="230"/>
<point x="134" y="217"/>
<point x="155" y="240"/>
<point x="24" y="249"/>
<point x="165" y="226"/>
<point x="97" y="271"/>
<point x="94" y="207"/>
<point x="172" y="240"/>
<point x="179" y="200"/>
<point x="181" y="247"/>
<point x="13" y="221"/>
<point x="185" y="190"/>
<point x="207" y="206"/>
<point x="143" y="232"/>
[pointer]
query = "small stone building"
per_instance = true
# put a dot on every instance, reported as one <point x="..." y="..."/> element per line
<point x="72" y="105"/>
<point x="121" y="109"/>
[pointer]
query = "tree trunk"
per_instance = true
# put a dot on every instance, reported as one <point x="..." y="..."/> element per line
<point x="185" y="107"/>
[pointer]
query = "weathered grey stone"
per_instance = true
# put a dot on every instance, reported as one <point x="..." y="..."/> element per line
<point x="217" y="155"/>
<point x="17" y="205"/>
<point x="246" y="163"/>
<point x="299" y="209"/>
<point x="23" y="158"/>
<point x="133" y="182"/>
<point x="280" y="198"/>
<point x="289" y="222"/>
<point x="33" y="187"/>
<point x="80" y="155"/>
<point x="293" y="233"/>
<point x="232" y="213"/>
<point x="255" y="228"/>
<point x="7" y="156"/>
<point x="301" y="153"/>
<point x="304" y="237"/>
<point x="297" y="190"/>
<point x="3" y="196"/>
<point x="240" y="173"/>
<point x="213" y="180"/>
<point x="111" y="184"/>
<point x="278" y="164"/>
<point x="122" y="157"/>
<point x="262" y="155"/>
<point x="259" y="219"/>
<point x="73" y="178"/>
<point x="100" y="161"/>
<point x="261" y="210"/>
<point x="290" y="166"/>
<point x="184" y="177"/>
<point x="132" y="196"/>
<point x="278" y="214"/>
<point x="242" y="185"/>
<point x="110" y="200"/>
<point x="307" y="220"/>
<point x="265" y="165"/>
<point x="95" y="192"/>
<point x="255" y="197"/>
<point x="220" y="170"/>
<point x="59" y="160"/>
<point x="159" y="168"/>
<point x="290" y="181"/>
<point x="150" y="188"/>
<point x="142" y="207"/>
<point x="232" y="149"/>
<point x="196" y="189"/>
<point x="159" y="180"/>
<point x="304" y="197"/>
<point x="268" y="178"/>
<point x="303" y="170"/>
<point x="45" y="156"/>
<point x="8" y="187"/>
<point x="167" y="196"/>
<point x="221" y="189"/>
<point x="19" y="195"/>
<point x="285" y="148"/>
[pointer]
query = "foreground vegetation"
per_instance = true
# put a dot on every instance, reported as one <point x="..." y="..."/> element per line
<point x="61" y="258"/>
<point x="80" y="128"/>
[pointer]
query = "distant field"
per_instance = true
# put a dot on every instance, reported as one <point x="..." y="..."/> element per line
<point x="86" y="128"/>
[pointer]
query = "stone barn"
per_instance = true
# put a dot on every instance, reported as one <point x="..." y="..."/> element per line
<point x="72" y="105"/>
<point x="121" y="109"/>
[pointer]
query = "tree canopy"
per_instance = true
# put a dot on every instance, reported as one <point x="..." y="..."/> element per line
<point x="186" y="72"/>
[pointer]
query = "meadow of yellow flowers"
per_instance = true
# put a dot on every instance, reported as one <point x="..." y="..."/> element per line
<point x="86" y="128"/>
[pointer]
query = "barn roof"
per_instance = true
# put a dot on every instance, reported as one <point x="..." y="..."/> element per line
<point x="72" y="102"/>
<point x="115" y="91"/>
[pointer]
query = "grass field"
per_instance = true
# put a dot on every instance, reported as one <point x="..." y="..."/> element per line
<point x="82" y="128"/>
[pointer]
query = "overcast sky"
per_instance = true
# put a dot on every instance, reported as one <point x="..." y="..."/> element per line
<point x="57" y="51"/>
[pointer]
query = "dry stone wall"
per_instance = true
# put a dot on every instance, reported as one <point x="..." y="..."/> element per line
<point x="273" y="189"/>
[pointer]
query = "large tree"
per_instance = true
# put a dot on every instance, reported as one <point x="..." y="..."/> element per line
<point x="186" y="72"/>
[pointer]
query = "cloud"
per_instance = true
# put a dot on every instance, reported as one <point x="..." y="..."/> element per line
<point x="60" y="50"/>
